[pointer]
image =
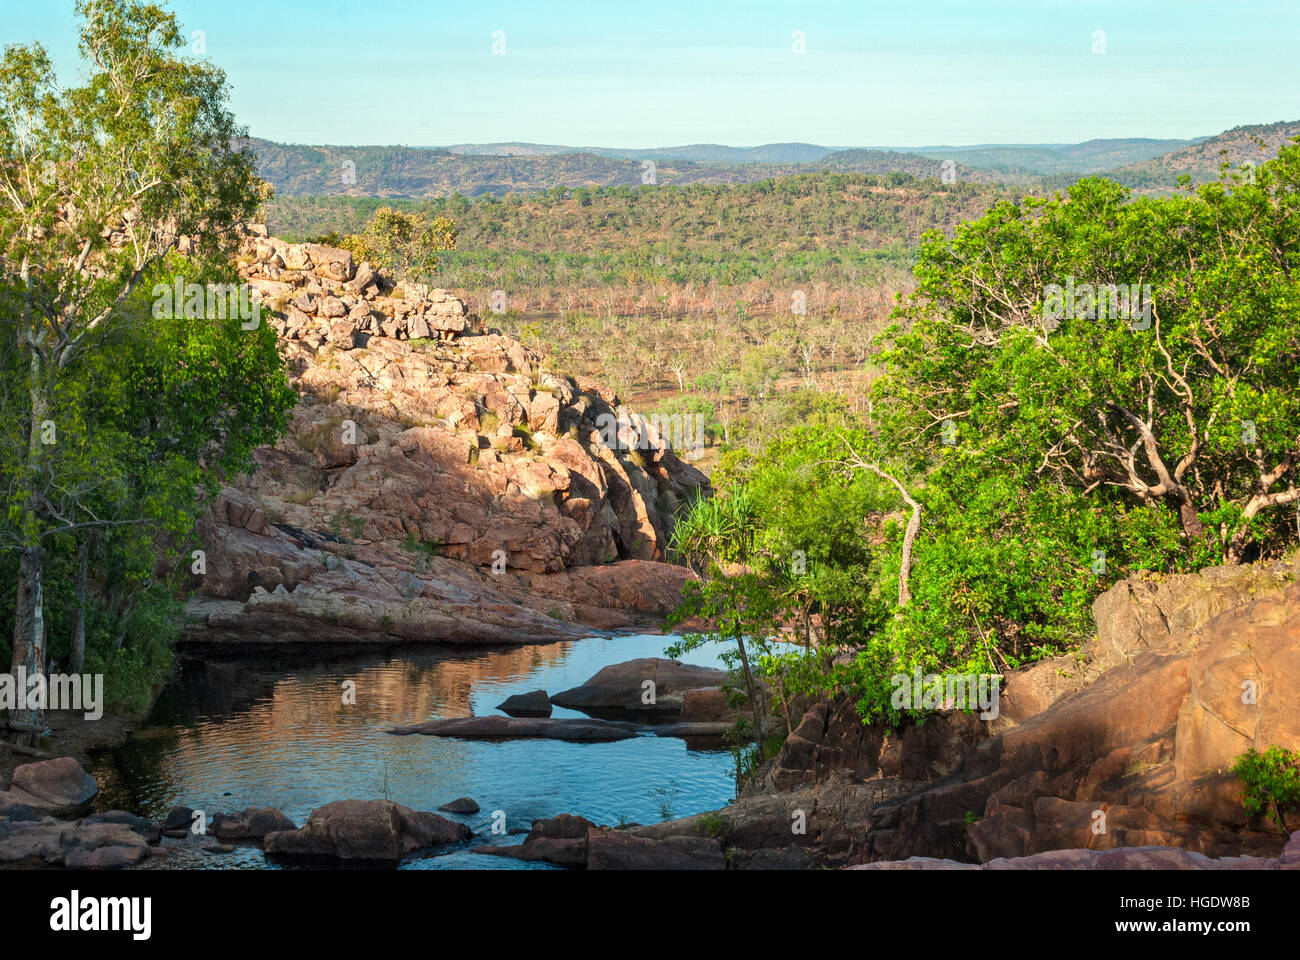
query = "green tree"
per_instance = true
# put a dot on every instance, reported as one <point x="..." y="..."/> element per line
<point x="406" y="244"/>
<point x="99" y="183"/>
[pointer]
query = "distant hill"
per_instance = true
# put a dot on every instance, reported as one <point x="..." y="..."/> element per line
<point x="425" y="173"/>
<point x="422" y="173"/>
<point x="696" y="152"/>
<point x="1201" y="161"/>
<point x="1092" y="156"/>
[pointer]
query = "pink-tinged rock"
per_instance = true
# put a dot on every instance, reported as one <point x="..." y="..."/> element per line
<point x="58" y="787"/>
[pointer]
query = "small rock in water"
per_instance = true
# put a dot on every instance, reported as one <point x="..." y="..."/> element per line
<point x="461" y="805"/>
<point x="534" y="704"/>
<point x="178" y="822"/>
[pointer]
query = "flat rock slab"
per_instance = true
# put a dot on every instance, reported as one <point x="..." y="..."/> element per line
<point x="522" y="728"/>
<point x="616" y="850"/>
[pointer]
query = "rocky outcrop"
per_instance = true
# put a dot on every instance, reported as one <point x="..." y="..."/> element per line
<point x="437" y="482"/>
<point x="1140" y="756"/>
<point x="365" y="830"/>
<point x="1120" y="858"/>
<point x="1124" y="746"/>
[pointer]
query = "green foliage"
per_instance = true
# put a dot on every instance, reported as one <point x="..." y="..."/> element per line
<point x="404" y="244"/>
<point x="712" y="825"/>
<point x="1046" y="459"/>
<point x="118" y="419"/>
<point x="832" y="228"/>
<point x="1271" y="781"/>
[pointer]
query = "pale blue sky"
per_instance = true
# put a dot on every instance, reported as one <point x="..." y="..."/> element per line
<point x="625" y="74"/>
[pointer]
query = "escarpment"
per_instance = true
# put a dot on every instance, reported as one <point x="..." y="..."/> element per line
<point x="437" y="481"/>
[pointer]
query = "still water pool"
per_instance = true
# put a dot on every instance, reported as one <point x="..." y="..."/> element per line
<point x="233" y="733"/>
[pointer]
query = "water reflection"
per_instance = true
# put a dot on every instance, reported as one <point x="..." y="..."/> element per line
<point x="255" y="732"/>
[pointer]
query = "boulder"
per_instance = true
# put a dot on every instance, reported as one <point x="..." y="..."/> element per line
<point x="365" y="830"/>
<point x="462" y="805"/>
<point x="254" y="823"/>
<point x="344" y="334"/>
<point x="102" y="841"/>
<point x="330" y="262"/>
<point x="179" y="822"/>
<point x="535" y="704"/>
<point x="707" y="705"/>
<point x="648" y="687"/>
<point x="58" y="787"/>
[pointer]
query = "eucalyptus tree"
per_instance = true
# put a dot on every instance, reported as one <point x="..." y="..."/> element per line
<point x="99" y="184"/>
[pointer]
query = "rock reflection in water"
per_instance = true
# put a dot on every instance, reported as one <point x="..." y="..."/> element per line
<point x="255" y="732"/>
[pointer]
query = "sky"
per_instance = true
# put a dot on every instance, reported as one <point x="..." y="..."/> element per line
<point x="620" y="73"/>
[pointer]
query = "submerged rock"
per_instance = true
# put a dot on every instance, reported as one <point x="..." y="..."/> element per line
<point x="521" y="728"/>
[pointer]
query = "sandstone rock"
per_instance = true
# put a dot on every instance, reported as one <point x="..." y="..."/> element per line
<point x="374" y="830"/>
<point x="253" y="823"/>
<point x="524" y="728"/>
<point x="296" y="257"/>
<point x="58" y="787"/>
<point x="622" y="688"/>
<point x="560" y="840"/>
<point x="179" y="822"/>
<point x="706" y="705"/>
<point x="1121" y="858"/>
<point x="108" y="840"/>
<point x="617" y="850"/>
<point x="583" y="528"/>
<point x="330" y="262"/>
<point x="462" y="805"/>
<point x="344" y="334"/>
<point x="364" y="277"/>
<point x="535" y="704"/>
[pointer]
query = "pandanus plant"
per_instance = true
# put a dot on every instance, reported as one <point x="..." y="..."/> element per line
<point x="714" y="533"/>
